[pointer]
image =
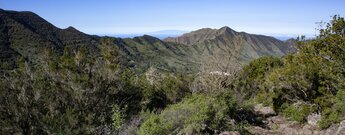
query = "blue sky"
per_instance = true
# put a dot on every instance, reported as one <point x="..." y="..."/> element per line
<point x="270" y="17"/>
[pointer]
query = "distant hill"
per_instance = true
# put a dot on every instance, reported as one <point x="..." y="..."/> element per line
<point x="25" y="34"/>
<point x="242" y="45"/>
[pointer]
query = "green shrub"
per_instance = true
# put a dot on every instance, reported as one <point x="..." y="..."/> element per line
<point x="71" y="97"/>
<point x="335" y="112"/>
<point x="250" y="81"/>
<point x="169" y="89"/>
<point x="191" y="116"/>
<point x="154" y="126"/>
<point x="175" y="87"/>
<point x="314" y="75"/>
<point x="153" y="98"/>
<point x="298" y="111"/>
<point x="266" y="98"/>
<point x="328" y="118"/>
<point x="118" y="116"/>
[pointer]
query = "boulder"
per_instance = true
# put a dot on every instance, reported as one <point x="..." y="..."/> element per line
<point x="264" y="110"/>
<point x="313" y="118"/>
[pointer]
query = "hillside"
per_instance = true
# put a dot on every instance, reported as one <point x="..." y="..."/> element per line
<point x="30" y="36"/>
<point x="146" y="51"/>
<point x="243" y="46"/>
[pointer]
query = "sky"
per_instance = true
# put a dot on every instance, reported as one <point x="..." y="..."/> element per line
<point x="102" y="17"/>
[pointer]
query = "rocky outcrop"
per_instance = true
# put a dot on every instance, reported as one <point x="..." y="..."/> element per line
<point x="278" y="125"/>
<point x="264" y="110"/>
<point x="313" y="118"/>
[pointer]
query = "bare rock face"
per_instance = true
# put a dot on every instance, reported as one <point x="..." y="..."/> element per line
<point x="335" y="129"/>
<point x="278" y="125"/>
<point x="264" y="110"/>
<point x="313" y="119"/>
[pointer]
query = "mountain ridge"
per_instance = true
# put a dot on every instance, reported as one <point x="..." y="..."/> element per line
<point x="26" y="34"/>
<point x="249" y="46"/>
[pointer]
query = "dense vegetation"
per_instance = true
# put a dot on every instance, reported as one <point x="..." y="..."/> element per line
<point x="309" y="81"/>
<point x="82" y="93"/>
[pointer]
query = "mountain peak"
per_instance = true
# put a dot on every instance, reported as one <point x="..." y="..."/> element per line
<point x="147" y="38"/>
<point x="201" y="35"/>
<point x="225" y="29"/>
<point x="71" y="28"/>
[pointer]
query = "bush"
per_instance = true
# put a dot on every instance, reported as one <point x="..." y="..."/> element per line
<point x="175" y="87"/>
<point x="249" y="82"/>
<point x="118" y="116"/>
<point x="193" y="115"/>
<point x="74" y="96"/>
<point x="168" y="89"/>
<point x="314" y="76"/>
<point x="328" y="118"/>
<point x="298" y="111"/>
<point x="154" y="126"/>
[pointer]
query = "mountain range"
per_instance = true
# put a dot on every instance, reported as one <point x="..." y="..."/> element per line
<point x="27" y="35"/>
